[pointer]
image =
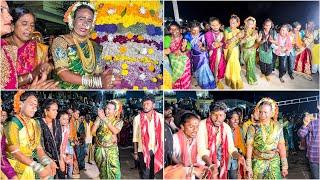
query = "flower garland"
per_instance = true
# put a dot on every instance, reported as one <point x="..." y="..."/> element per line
<point x="69" y="15"/>
<point x="129" y="13"/>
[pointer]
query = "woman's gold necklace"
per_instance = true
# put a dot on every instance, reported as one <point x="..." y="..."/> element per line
<point x="89" y="63"/>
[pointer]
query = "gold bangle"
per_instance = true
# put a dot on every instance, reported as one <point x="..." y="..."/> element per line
<point x="61" y="70"/>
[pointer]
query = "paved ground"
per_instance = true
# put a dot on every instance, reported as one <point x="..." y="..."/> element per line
<point x="298" y="167"/>
<point x="274" y="84"/>
<point x="126" y="161"/>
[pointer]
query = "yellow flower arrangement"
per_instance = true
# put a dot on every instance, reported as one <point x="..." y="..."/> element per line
<point x="130" y="35"/>
<point x="149" y="4"/>
<point x="94" y="35"/>
<point x="150" y="51"/>
<point x="154" y="80"/>
<point x="145" y="88"/>
<point x="124" y="72"/>
<point x="124" y="66"/>
<point x="159" y="76"/>
<point x="140" y="38"/>
<point x="144" y="60"/>
<point x="151" y="68"/>
<point x="128" y="13"/>
<point x="123" y="49"/>
<point x="135" y="87"/>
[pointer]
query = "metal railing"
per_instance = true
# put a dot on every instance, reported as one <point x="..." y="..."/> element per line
<point x="298" y="100"/>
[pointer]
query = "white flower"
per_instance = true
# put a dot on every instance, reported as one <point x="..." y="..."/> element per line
<point x="111" y="11"/>
<point x="116" y="71"/>
<point x="142" y="10"/>
<point x="71" y="14"/>
<point x="142" y="76"/>
<point x="110" y="37"/>
<point x="144" y="51"/>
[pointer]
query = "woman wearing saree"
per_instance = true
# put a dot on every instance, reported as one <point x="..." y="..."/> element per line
<point x="303" y="45"/>
<point x="8" y="54"/>
<point x="32" y="57"/>
<point x="266" y="145"/>
<point x="106" y="128"/>
<point x="77" y="59"/>
<point x="215" y="43"/>
<point x="233" y="70"/>
<point x="199" y="58"/>
<point x="177" y="49"/>
<point x="24" y="140"/>
<point x="249" y="49"/>
<point x="315" y="51"/>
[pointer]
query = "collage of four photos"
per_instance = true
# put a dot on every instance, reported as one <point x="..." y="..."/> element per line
<point x="159" y="89"/>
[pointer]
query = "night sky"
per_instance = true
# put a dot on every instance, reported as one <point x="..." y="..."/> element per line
<point x="279" y="12"/>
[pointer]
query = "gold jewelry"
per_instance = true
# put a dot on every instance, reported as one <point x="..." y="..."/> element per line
<point x="61" y="70"/>
<point x="89" y="63"/>
<point x="32" y="137"/>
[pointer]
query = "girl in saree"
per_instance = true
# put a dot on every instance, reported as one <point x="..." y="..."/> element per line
<point x="177" y="48"/>
<point x="106" y="128"/>
<point x="232" y="38"/>
<point x="249" y="49"/>
<point x="304" y="40"/>
<point x="77" y="59"/>
<point x="32" y="58"/>
<point x="199" y="57"/>
<point x="266" y="145"/>
<point x="215" y="43"/>
<point x="185" y="149"/>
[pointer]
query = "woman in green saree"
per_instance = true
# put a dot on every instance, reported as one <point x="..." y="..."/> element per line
<point x="266" y="145"/>
<point x="77" y="59"/>
<point x="106" y="128"/>
<point x="249" y="49"/>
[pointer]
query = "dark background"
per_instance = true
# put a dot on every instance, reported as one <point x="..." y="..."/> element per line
<point x="255" y="96"/>
<point x="280" y="12"/>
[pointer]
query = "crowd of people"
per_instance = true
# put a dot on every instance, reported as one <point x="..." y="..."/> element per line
<point x="50" y="141"/>
<point x="71" y="61"/>
<point x="211" y="52"/>
<point x="227" y="145"/>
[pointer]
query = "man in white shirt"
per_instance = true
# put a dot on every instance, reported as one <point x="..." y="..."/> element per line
<point x="215" y="142"/>
<point x="148" y="140"/>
